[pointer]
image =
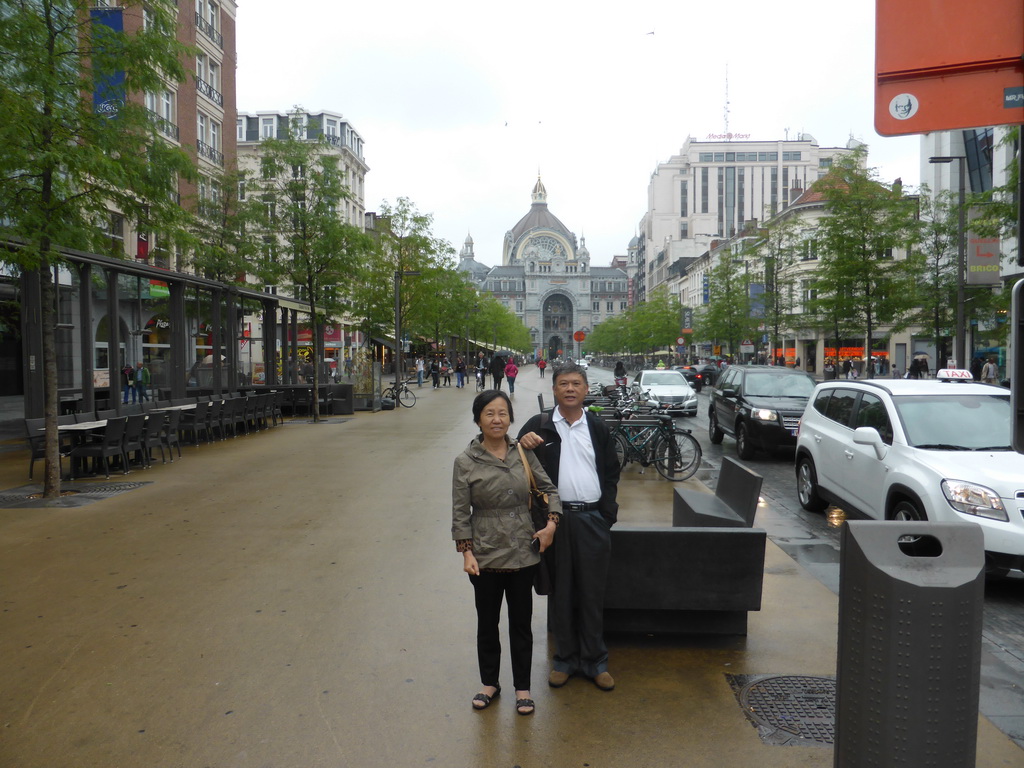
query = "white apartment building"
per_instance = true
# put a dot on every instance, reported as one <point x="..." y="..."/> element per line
<point x="712" y="190"/>
<point x="253" y="127"/>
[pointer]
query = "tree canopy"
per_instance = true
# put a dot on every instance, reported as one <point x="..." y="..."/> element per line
<point x="77" y="146"/>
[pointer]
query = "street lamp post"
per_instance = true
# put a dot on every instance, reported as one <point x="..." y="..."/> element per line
<point x="961" y="256"/>
<point x="399" y="274"/>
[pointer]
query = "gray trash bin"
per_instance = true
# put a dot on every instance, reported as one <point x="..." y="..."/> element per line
<point x="910" y="607"/>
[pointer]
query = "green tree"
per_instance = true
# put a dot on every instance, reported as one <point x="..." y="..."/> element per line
<point x="774" y="257"/>
<point x="998" y="209"/>
<point x="218" y="243"/>
<point x="76" y="143"/>
<point x="938" y="279"/>
<point x="295" y="205"/>
<point x="405" y="243"/>
<point x="866" y="225"/>
<point x="727" y="316"/>
<point x="653" y="323"/>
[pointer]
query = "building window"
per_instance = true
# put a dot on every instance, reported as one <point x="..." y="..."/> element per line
<point x="684" y="230"/>
<point x="824" y="162"/>
<point x="240" y="128"/>
<point x="623" y="306"/>
<point x="519" y="306"/>
<point x="683" y="188"/>
<point x="610" y="306"/>
<point x="331" y="127"/>
<point x="201" y="130"/>
<point x="268" y="127"/>
<point x="596" y="306"/>
<point x="703" y="190"/>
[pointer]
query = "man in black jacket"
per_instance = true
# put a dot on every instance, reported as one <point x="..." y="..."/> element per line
<point x="578" y="453"/>
<point x="498" y="370"/>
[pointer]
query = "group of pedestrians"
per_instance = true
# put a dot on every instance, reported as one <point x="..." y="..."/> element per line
<point x="571" y="454"/>
<point x="135" y="382"/>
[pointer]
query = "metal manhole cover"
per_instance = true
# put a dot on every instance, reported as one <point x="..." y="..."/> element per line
<point x="789" y="709"/>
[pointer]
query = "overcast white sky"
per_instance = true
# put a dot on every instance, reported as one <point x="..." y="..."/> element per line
<point x="460" y="103"/>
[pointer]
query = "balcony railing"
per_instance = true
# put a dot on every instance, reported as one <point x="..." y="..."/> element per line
<point x="211" y="154"/>
<point x="209" y="92"/>
<point x="164" y="126"/>
<point x="210" y="31"/>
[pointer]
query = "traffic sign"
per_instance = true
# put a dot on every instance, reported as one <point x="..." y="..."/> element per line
<point x="579" y="336"/>
<point x="680" y="340"/>
<point x="958" y="68"/>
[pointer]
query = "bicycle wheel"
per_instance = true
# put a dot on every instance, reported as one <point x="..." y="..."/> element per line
<point x="677" y="458"/>
<point x="407" y="397"/>
<point x="621" y="451"/>
<point x="388" y="392"/>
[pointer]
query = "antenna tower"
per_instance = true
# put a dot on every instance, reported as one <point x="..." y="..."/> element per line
<point x="727" y="136"/>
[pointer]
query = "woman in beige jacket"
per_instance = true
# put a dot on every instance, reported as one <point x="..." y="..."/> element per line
<point x="492" y="528"/>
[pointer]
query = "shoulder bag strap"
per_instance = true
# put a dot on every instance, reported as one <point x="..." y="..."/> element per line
<point x="529" y="472"/>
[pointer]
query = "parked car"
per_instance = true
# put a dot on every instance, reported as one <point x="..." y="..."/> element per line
<point x="758" y="405"/>
<point x="907" y="449"/>
<point x="669" y="389"/>
<point x="711" y="372"/>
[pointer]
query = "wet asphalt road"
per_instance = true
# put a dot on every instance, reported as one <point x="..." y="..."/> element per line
<point x="813" y="540"/>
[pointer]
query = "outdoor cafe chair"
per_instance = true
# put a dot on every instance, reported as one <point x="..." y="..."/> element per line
<point x="36" y="441"/>
<point x="111" y="444"/>
<point x="169" y="433"/>
<point x="213" y="422"/>
<point x="230" y="414"/>
<point x="249" y="416"/>
<point x="238" y="416"/>
<point x="152" y="437"/>
<point x="276" y="415"/>
<point x="133" y="438"/>
<point x="193" y="422"/>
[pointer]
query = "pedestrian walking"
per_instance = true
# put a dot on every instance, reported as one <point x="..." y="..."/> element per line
<point x="493" y="529"/>
<point x="435" y="372"/>
<point x="511" y="371"/>
<point x="577" y="451"/>
<point x="420" y="370"/>
<point x="141" y="382"/>
<point x="541" y="365"/>
<point x="497" y="370"/>
<point x="990" y="372"/>
<point x="460" y="372"/>
<point x="128" y="383"/>
<point x="446" y="370"/>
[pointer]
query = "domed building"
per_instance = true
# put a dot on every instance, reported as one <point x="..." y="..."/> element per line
<point x="546" y="278"/>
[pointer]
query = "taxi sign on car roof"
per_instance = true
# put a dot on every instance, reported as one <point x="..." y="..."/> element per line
<point x="953" y="374"/>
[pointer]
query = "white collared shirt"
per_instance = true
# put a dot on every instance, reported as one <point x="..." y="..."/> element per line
<point x="577" y="465"/>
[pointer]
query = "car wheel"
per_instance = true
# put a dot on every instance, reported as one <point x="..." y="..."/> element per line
<point x="907" y="510"/>
<point x="715" y="433"/>
<point x="744" y="448"/>
<point x="807" y="486"/>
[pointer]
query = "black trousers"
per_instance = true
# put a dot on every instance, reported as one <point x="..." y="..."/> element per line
<point x="517" y="590"/>
<point x="582" y="552"/>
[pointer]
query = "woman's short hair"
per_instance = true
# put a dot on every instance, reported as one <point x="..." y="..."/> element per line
<point x="484" y="399"/>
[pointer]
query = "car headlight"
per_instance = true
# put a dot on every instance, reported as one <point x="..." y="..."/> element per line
<point x="974" y="499"/>
<point x="763" y="414"/>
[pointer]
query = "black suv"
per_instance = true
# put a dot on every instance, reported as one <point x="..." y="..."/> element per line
<point x="760" y="406"/>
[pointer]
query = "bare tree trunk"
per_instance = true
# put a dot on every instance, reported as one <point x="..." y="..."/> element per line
<point x="314" y="408"/>
<point x="51" y="488"/>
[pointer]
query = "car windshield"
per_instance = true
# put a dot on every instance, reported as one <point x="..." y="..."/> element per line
<point x="778" y="385"/>
<point x="956" y="422"/>
<point x="663" y="379"/>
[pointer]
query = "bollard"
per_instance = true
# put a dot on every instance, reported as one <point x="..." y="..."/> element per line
<point x="909" y="664"/>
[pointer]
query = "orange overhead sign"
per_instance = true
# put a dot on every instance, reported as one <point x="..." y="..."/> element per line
<point x="945" y="64"/>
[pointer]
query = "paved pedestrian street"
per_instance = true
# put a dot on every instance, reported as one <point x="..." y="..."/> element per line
<point x="293" y="600"/>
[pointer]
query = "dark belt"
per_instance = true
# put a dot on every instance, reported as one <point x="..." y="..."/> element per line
<point x="580" y="506"/>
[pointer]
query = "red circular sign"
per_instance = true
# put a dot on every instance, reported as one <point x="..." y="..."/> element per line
<point x="579" y="336"/>
<point x="559" y="351"/>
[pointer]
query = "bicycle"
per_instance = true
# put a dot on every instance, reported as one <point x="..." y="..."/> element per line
<point x="404" y="395"/>
<point x="673" y="451"/>
<point x="481" y="379"/>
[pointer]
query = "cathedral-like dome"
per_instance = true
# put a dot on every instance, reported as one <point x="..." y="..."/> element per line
<point x="539" y="217"/>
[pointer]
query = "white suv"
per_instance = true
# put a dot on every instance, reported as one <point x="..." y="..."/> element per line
<point x="905" y="449"/>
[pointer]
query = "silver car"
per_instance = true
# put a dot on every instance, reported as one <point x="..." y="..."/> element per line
<point x="670" y="389"/>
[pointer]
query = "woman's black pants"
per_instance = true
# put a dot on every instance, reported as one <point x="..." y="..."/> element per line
<point x="517" y="590"/>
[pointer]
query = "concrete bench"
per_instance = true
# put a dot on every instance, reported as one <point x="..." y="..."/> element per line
<point x="732" y="505"/>
<point x="700" y="580"/>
